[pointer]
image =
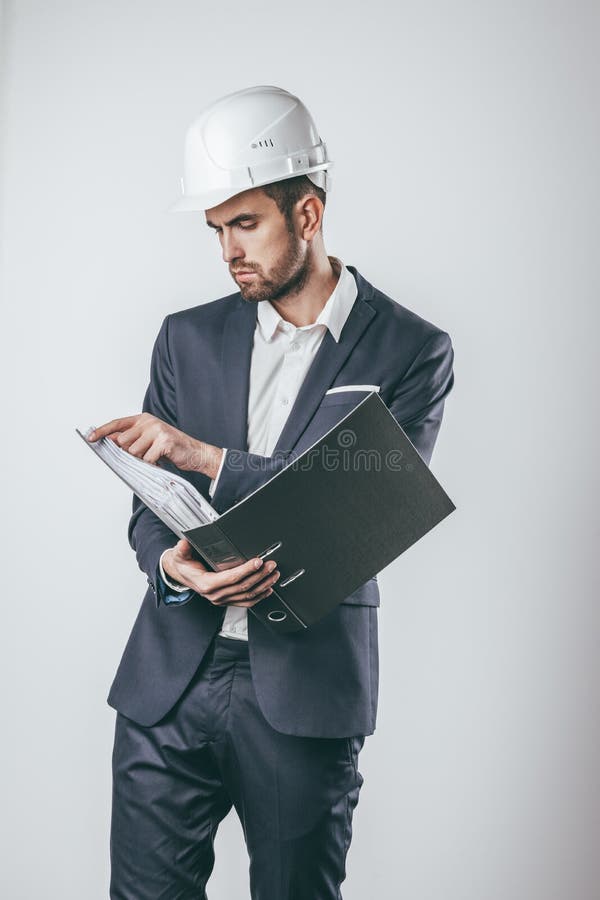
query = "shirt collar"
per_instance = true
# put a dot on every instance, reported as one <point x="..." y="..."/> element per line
<point x="333" y="315"/>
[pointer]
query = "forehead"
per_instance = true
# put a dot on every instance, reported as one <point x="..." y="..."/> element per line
<point x="251" y="202"/>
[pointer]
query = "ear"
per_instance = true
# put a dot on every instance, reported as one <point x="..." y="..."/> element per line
<point x="310" y="216"/>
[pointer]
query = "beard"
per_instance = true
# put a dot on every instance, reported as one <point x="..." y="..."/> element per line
<point x="287" y="277"/>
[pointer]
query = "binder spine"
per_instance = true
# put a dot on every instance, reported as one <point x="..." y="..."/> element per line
<point x="218" y="551"/>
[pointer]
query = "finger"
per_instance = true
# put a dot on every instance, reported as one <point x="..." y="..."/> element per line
<point x="245" y="603"/>
<point x="252" y="583"/>
<point x="130" y="435"/>
<point x="227" y="598"/>
<point x="249" y="603"/>
<point x="141" y="446"/>
<point x="154" y="454"/>
<point x="232" y="576"/>
<point x="114" y="425"/>
<point x="184" y="549"/>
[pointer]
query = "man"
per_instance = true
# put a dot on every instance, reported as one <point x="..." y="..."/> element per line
<point x="213" y="710"/>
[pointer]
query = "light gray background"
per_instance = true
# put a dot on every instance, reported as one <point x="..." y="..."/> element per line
<point x="465" y="137"/>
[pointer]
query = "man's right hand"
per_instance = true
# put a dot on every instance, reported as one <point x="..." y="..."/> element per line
<point x="242" y="585"/>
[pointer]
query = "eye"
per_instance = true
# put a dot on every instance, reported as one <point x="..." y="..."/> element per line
<point x="246" y="227"/>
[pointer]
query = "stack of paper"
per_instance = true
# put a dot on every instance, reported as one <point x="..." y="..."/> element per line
<point x="169" y="496"/>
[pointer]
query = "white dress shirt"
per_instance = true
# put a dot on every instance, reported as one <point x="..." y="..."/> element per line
<point x="281" y="357"/>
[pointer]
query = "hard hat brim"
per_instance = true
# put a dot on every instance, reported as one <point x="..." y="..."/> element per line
<point x="202" y="202"/>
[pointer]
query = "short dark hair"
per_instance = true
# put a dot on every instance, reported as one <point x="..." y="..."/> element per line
<point x="287" y="192"/>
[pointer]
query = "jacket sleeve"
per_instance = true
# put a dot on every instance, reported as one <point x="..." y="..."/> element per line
<point x="417" y="403"/>
<point x="148" y="535"/>
<point x="242" y="472"/>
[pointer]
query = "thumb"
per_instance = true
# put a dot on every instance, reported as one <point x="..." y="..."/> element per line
<point x="184" y="548"/>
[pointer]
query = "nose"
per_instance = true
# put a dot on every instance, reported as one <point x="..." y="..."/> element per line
<point x="231" y="247"/>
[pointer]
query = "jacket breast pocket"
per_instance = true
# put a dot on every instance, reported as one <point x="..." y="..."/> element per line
<point x="347" y="397"/>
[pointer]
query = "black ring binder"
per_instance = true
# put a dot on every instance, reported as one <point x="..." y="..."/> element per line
<point x="348" y="521"/>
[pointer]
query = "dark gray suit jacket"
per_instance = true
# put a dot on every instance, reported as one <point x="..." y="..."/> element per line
<point x="322" y="682"/>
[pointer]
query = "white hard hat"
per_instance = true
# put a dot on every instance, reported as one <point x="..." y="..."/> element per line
<point x="246" y="139"/>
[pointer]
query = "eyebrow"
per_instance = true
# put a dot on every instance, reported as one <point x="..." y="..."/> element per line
<point x="243" y="217"/>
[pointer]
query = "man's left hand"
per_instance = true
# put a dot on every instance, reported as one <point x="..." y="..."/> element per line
<point x="151" y="439"/>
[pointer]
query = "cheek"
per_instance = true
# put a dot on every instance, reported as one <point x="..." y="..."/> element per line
<point x="267" y="252"/>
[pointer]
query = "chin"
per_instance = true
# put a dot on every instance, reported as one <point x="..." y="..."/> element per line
<point x="248" y="293"/>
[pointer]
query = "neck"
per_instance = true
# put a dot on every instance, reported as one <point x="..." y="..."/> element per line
<point x="303" y="308"/>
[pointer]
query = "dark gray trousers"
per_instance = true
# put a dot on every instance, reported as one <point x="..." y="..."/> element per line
<point x="175" y="781"/>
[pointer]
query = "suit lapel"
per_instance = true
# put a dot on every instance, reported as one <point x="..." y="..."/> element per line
<point x="236" y="355"/>
<point x="330" y="358"/>
<point x="238" y="337"/>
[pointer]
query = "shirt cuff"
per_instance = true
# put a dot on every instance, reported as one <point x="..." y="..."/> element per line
<point x="174" y="585"/>
<point x="213" y="485"/>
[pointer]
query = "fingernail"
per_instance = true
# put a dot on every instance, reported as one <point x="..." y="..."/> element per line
<point x="271" y="565"/>
<point x="258" y="563"/>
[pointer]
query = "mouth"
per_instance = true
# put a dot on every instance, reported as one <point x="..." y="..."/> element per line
<point x="244" y="276"/>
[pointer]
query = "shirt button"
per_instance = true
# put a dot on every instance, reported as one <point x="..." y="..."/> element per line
<point x="284" y="401"/>
<point x="295" y="345"/>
